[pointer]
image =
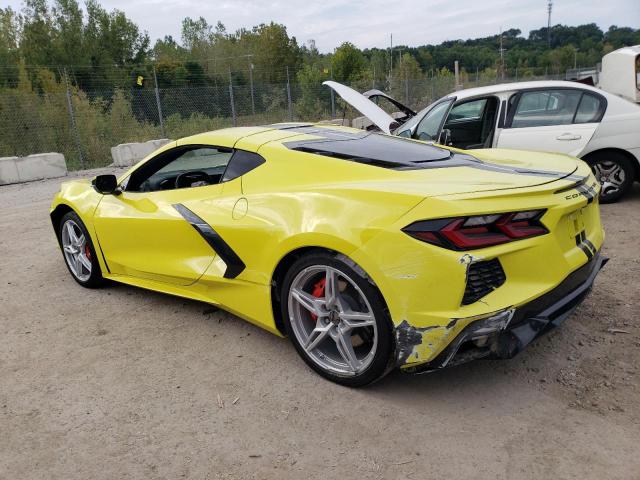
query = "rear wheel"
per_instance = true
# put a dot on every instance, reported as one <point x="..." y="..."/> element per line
<point x="337" y="320"/>
<point x="614" y="172"/>
<point x="78" y="251"/>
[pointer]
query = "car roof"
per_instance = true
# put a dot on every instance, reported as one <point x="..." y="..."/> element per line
<point x="514" y="86"/>
<point x="616" y="104"/>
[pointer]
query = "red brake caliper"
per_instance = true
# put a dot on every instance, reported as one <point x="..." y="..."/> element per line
<point x="318" y="292"/>
<point x="87" y="252"/>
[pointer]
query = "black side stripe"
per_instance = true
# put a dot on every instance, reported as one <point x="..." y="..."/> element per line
<point x="591" y="246"/>
<point x="585" y="245"/>
<point x="102" y="254"/>
<point x="587" y="191"/>
<point x="235" y="266"/>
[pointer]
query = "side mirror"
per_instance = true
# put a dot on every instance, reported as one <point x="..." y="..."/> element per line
<point x="106" y="184"/>
<point x="445" y="137"/>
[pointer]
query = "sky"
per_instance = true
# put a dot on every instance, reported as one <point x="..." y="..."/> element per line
<point x="370" y="23"/>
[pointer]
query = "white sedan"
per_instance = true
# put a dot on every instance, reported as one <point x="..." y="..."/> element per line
<point x="552" y="116"/>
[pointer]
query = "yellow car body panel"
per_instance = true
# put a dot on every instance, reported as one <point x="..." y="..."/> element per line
<point x="298" y="200"/>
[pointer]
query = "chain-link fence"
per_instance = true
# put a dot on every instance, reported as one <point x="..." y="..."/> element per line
<point x="85" y="125"/>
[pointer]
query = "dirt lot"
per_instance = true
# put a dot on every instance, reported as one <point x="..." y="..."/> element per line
<point x="124" y="383"/>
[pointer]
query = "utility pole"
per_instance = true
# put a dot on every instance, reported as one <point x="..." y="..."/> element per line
<point x="289" y="104"/>
<point x="333" y="99"/>
<point x="231" y="100"/>
<point x="390" y="59"/>
<point x="502" y="50"/>
<point x="72" y="121"/>
<point x="549" y="8"/>
<point x="253" y="103"/>
<point x="158" y="104"/>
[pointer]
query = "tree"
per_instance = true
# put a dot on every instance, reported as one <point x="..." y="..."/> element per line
<point x="348" y="63"/>
<point x="168" y="50"/>
<point x="9" y="55"/>
<point x="619" y="37"/>
<point x="196" y="34"/>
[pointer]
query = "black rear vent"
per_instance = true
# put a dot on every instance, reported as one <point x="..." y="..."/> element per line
<point x="482" y="279"/>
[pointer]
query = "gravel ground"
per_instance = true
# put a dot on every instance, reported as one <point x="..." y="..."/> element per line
<point x="126" y="383"/>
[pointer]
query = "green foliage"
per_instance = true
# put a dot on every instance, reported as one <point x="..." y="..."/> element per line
<point x="310" y="105"/>
<point x="348" y="63"/>
<point x="54" y="50"/>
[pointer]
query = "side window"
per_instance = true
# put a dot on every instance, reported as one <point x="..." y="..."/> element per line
<point x="589" y="110"/>
<point x="181" y="167"/>
<point x="242" y="162"/>
<point x="429" y="126"/>
<point x="472" y="110"/>
<point x="546" y="107"/>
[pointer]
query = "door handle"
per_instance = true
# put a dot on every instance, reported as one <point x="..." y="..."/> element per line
<point x="568" y="136"/>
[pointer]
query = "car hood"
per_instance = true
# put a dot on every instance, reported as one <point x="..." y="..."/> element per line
<point x="366" y="107"/>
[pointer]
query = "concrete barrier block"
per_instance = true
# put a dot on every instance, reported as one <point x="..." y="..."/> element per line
<point x="361" y="122"/>
<point x="128" y="154"/>
<point x="32" y="167"/>
<point x="41" y="165"/>
<point x="8" y="170"/>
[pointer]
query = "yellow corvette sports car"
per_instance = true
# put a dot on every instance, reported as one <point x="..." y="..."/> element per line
<point x="368" y="251"/>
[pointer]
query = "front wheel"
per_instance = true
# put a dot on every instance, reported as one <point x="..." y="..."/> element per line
<point x="614" y="172"/>
<point x="78" y="251"/>
<point x="337" y="320"/>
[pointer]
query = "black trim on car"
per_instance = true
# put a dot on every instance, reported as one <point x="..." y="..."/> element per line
<point x="503" y="114"/>
<point x="235" y="265"/>
<point x="241" y="162"/>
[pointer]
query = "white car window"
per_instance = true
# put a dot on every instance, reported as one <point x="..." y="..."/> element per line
<point x="467" y="111"/>
<point x="546" y="107"/>
<point x="429" y="127"/>
<point x="589" y="109"/>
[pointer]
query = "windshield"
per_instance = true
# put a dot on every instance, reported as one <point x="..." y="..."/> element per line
<point x="432" y="114"/>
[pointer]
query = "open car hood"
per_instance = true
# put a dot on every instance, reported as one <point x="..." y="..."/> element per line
<point x="372" y="94"/>
<point x="366" y="107"/>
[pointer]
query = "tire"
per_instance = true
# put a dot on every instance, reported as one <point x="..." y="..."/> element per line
<point x="615" y="173"/>
<point x="349" y="335"/>
<point x="78" y="251"/>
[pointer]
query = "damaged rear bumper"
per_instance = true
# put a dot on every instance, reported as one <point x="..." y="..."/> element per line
<point x="506" y="333"/>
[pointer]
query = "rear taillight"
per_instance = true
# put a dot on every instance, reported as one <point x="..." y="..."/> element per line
<point x="468" y="233"/>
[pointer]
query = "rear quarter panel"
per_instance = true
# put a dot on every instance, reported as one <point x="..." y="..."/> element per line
<point x="424" y="284"/>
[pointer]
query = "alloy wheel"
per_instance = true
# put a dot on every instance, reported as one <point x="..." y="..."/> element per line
<point x="611" y="176"/>
<point x="76" y="250"/>
<point x="332" y="320"/>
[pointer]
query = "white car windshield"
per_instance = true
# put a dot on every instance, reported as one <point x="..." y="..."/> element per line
<point x="406" y="129"/>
